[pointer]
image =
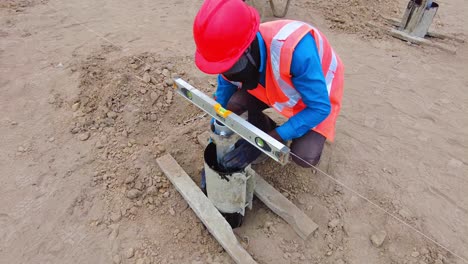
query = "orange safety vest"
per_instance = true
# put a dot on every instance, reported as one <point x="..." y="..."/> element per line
<point x="281" y="38"/>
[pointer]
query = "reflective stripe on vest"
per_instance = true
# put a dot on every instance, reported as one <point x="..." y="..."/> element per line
<point x="275" y="57"/>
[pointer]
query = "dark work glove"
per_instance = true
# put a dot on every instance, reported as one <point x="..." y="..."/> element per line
<point x="243" y="154"/>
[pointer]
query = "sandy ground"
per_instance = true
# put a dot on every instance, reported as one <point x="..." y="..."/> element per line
<point x="86" y="108"/>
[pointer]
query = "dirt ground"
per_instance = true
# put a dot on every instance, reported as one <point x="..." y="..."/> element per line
<point x="87" y="106"/>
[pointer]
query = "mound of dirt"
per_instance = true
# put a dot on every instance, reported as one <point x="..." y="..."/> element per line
<point x="20" y="5"/>
<point x="127" y="108"/>
<point x="357" y="16"/>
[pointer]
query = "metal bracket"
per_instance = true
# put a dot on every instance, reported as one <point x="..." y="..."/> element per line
<point x="276" y="13"/>
<point x="264" y="142"/>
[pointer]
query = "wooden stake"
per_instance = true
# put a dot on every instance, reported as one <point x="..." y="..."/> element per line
<point x="284" y="208"/>
<point x="204" y="209"/>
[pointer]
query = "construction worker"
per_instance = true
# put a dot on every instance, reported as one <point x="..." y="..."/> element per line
<point x="284" y="64"/>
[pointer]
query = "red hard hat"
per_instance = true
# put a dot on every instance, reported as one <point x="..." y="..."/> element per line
<point x="223" y="30"/>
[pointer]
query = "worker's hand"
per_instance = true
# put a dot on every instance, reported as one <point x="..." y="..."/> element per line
<point x="243" y="154"/>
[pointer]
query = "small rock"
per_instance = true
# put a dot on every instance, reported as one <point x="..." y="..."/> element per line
<point x="139" y="185"/>
<point x="116" y="259"/>
<point x="329" y="253"/>
<point x="51" y="139"/>
<point x="129" y="179"/>
<point x="103" y="139"/>
<point x="396" y="203"/>
<point x="424" y="251"/>
<point x="387" y="170"/>
<point x="99" y="145"/>
<point x="112" y="114"/>
<point x="140" y="261"/>
<point x="154" y="96"/>
<point x="153" y="80"/>
<point x="180" y="235"/>
<point x="438" y="261"/>
<point x="405" y="213"/>
<point x="334" y="223"/>
<point x="13" y="123"/>
<point x="133" y="210"/>
<point x="152" y="190"/>
<point x="146" y="77"/>
<point x="133" y="193"/>
<point x="171" y="211"/>
<point x="169" y="81"/>
<point x="84" y="136"/>
<point x="166" y="195"/>
<point x="153" y="117"/>
<point x="114" y="233"/>
<point x="378" y="238"/>
<point x="78" y="114"/>
<point x="116" y="216"/>
<point x="169" y="96"/>
<point x="147" y="67"/>
<point x="415" y="254"/>
<point x="139" y="203"/>
<point x="21" y="149"/>
<point x="130" y="253"/>
<point x="340" y="261"/>
<point x="75" y="130"/>
<point x="76" y="106"/>
<point x="143" y="91"/>
<point x="166" y="73"/>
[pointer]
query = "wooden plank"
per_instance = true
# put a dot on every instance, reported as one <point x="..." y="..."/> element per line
<point x="204" y="209"/>
<point x="443" y="36"/>
<point x="284" y="208"/>
<point x="420" y="41"/>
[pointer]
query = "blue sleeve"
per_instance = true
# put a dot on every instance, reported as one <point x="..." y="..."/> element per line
<point x="224" y="91"/>
<point x="308" y="79"/>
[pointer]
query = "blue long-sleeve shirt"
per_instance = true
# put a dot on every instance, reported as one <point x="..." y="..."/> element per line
<point x="307" y="78"/>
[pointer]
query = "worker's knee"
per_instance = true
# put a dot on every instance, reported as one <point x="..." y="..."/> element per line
<point x="306" y="161"/>
<point x="307" y="149"/>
